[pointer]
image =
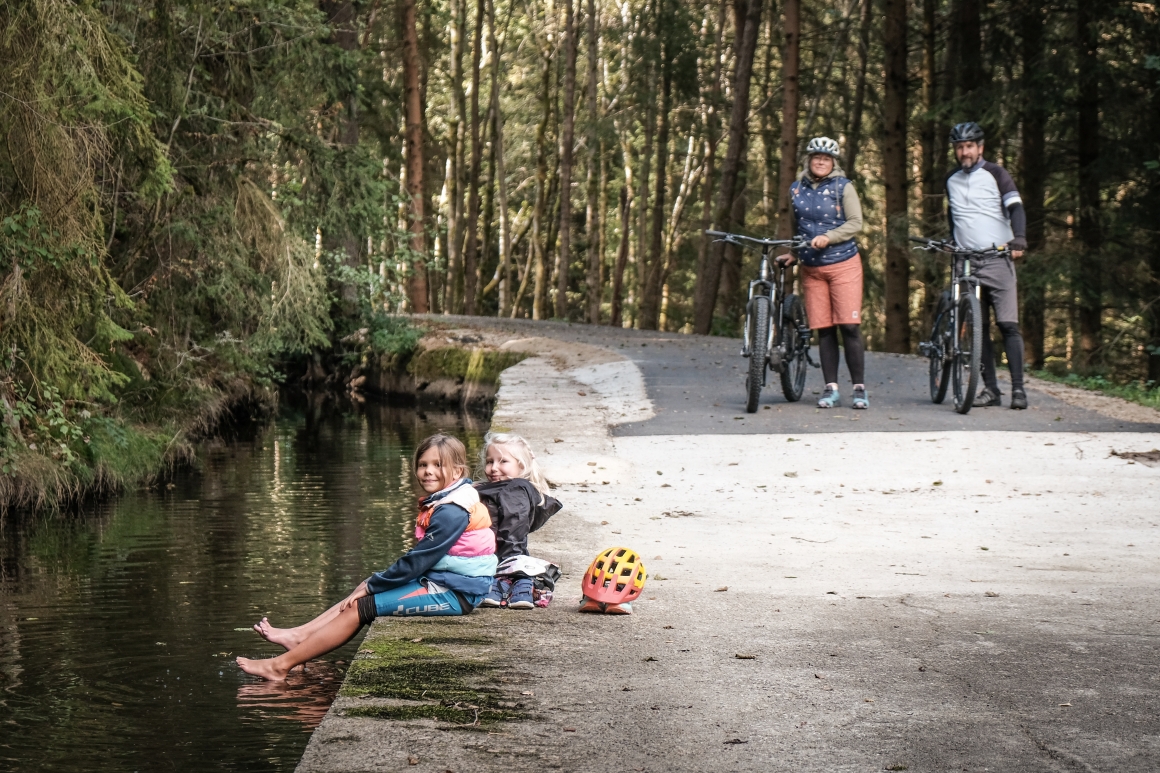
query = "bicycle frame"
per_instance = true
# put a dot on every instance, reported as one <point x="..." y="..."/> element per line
<point x="772" y="287"/>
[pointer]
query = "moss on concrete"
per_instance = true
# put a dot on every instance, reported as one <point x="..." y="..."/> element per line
<point x="446" y="687"/>
<point x="478" y="366"/>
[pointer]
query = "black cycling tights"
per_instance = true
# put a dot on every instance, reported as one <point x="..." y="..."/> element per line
<point x="1013" y="343"/>
<point x="855" y="352"/>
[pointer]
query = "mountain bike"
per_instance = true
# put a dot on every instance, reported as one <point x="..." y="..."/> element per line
<point x="777" y="333"/>
<point x="956" y="335"/>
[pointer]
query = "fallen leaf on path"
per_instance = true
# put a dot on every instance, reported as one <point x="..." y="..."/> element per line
<point x="740" y="656"/>
<point x="1065" y="705"/>
<point x="722" y="589"/>
<point x="937" y="483"/>
<point x="667" y="627"/>
<point x="412" y="760"/>
<point x="592" y="464"/>
<point x="991" y="594"/>
<point x="818" y="676"/>
<point x="557" y="440"/>
<point x="735" y="741"/>
<point x="650" y="659"/>
<point x="582" y="394"/>
<point x="604" y="523"/>
<point x="416" y="641"/>
<point x="527" y="692"/>
<point x="790" y="474"/>
<point x="569" y="730"/>
<point x="867" y="700"/>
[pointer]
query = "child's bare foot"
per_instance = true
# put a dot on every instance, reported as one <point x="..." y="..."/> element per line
<point x="284" y="637"/>
<point x="263" y="668"/>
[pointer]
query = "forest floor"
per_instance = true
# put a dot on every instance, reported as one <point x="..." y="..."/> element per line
<point x="901" y="588"/>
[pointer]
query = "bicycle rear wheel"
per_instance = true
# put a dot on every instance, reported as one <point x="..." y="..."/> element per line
<point x="966" y="361"/>
<point x="758" y="351"/>
<point x="794" y="347"/>
<point x="941" y="354"/>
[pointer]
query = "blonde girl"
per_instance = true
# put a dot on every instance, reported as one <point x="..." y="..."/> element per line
<point x="516" y="496"/>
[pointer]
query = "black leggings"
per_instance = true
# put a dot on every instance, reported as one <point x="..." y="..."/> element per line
<point x="1012" y="343"/>
<point x="855" y="352"/>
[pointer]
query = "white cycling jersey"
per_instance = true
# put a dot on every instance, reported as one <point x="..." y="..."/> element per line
<point x="978" y="199"/>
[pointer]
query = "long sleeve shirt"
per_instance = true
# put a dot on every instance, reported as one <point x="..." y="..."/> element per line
<point x="448" y="522"/>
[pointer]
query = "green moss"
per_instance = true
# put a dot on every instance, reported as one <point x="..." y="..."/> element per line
<point x="478" y="366"/>
<point x="456" y="714"/>
<point x="1144" y="393"/>
<point x="452" y="688"/>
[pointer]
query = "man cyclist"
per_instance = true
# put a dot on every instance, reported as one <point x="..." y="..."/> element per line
<point x="985" y="211"/>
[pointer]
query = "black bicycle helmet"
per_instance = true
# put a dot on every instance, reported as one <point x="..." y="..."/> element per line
<point x="967" y="132"/>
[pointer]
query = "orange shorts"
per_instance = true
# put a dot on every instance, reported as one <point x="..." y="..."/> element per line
<point x="833" y="293"/>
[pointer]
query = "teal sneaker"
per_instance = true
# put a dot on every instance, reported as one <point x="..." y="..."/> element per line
<point x="830" y="398"/>
<point x="861" y="400"/>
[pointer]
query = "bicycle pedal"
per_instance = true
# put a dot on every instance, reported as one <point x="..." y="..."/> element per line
<point x="925" y="348"/>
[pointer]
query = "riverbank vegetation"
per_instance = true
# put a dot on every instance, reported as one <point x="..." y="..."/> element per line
<point x="200" y="200"/>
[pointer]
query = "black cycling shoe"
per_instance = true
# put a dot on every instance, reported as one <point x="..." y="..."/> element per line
<point x="989" y="399"/>
<point x="1018" y="399"/>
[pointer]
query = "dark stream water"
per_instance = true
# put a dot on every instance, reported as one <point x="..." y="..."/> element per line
<point x="118" y="625"/>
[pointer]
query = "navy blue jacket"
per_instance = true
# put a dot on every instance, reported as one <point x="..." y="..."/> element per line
<point x="448" y="522"/>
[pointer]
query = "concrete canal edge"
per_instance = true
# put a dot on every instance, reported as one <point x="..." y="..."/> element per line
<point x="428" y="694"/>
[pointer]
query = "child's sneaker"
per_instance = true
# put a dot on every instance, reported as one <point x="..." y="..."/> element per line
<point x="495" y="596"/>
<point x="521" y="595"/>
<point x="830" y="398"/>
<point x="588" y="605"/>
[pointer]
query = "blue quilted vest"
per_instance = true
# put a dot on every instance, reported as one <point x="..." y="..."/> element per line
<point x="818" y="211"/>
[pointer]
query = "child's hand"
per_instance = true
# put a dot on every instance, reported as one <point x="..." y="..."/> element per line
<point x="355" y="595"/>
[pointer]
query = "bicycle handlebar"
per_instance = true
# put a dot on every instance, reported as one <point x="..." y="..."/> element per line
<point x="737" y="239"/>
<point x="950" y="248"/>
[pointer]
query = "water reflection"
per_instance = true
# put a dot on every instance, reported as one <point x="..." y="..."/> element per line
<point x="118" y="627"/>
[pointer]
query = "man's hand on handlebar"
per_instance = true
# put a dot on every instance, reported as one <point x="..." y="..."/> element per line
<point x="1018" y="246"/>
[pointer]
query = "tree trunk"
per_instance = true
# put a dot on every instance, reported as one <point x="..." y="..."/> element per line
<point x="710" y="121"/>
<point x="860" y="90"/>
<point x="471" y="247"/>
<point x="642" y="197"/>
<point x="567" y="142"/>
<point x="894" y="164"/>
<point x="592" y="216"/>
<point x="932" y="203"/>
<point x="456" y="135"/>
<point x="540" y="288"/>
<point x="970" y="74"/>
<point x="413" y="105"/>
<point x="1033" y="171"/>
<point x="343" y="20"/>
<point x="621" y="257"/>
<point x="505" y="246"/>
<point x="653" y="268"/>
<point x="709" y="276"/>
<point x="1088" y="276"/>
<point x="790" y="64"/>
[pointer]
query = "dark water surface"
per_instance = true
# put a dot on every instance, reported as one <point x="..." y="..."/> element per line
<point x="118" y="626"/>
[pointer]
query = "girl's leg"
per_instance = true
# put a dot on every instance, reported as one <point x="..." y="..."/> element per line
<point x="828" y="349"/>
<point x="292" y="637"/>
<point x="330" y="636"/>
<point x="855" y="354"/>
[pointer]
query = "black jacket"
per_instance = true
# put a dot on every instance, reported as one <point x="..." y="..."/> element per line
<point x="515" y="511"/>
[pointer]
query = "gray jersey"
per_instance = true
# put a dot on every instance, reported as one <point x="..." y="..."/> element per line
<point x="979" y="199"/>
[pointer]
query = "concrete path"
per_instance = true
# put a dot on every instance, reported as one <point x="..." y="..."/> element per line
<point x="828" y="591"/>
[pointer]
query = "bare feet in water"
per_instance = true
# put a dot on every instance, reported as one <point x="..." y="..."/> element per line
<point x="284" y="637"/>
<point x="263" y="668"/>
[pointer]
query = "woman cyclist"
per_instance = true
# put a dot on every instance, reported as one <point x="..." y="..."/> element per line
<point x="826" y="210"/>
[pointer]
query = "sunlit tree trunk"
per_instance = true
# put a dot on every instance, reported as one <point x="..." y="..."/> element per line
<point x="505" y="247"/>
<point x="413" y="106"/>
<point x="567" y="144"/>
<point x="471" y="246"/>
<point x="453" y="295"/>
<point x="592" y="216"/>
<point x="653" y="268"/>
<point x="540" y="288"/>
<point x="894" y="162"/>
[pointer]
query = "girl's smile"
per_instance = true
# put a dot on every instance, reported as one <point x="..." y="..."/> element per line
<point x="431" y="473"/>
<point x="499" y="465"/>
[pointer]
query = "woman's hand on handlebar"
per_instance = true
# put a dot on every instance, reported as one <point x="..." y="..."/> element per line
<point x="786" y="260"/>
<point x="820" y="242"/>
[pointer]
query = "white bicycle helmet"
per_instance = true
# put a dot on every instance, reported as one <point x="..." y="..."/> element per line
<point x="823" y="145"/>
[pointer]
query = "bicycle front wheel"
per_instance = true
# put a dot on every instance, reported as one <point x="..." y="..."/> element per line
<point x="941" y="355"/>
<point x="795" y="347"/>
<point x="965" y="372"/>
<point x="758" y="351"/>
